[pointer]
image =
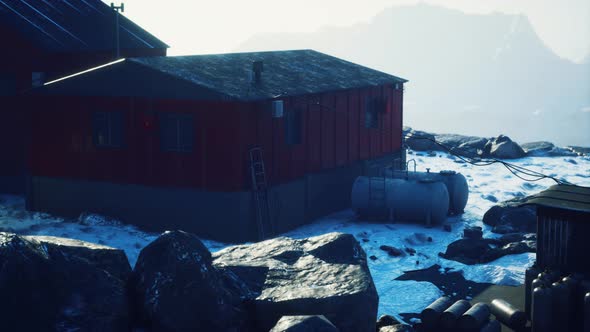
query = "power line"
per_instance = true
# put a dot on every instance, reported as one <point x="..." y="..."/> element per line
<point x="516" y="170"/>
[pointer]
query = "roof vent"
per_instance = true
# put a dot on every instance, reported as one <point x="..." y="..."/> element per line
<point x="257" y="69"/>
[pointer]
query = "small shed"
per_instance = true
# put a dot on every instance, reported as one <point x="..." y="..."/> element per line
<point x="183" y="142"/>
<point x="563" y="228"/>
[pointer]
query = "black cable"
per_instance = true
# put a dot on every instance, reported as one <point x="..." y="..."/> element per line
<point x="516" y="170"/>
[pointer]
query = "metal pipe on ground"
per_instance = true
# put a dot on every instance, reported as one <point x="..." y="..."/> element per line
<point x="475" y="317"/>
<point x="449" y="317"/>
<point x="508" y="314"/>
<point x="431" y="315"/>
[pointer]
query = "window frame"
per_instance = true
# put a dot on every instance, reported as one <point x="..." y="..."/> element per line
<point x="111" y="118"/>
<point x="294" y="127"/>
<point x="374" y="107"/>
<point x="181" y="123"/>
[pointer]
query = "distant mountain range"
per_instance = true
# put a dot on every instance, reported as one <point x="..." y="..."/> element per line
<point x="472" y="74"/>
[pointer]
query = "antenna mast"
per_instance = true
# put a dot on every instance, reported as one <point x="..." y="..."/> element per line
<point x="117" y="9"/>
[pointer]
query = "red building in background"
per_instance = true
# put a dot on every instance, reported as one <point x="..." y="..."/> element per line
<point x="166" y="142"/>
<point x="43" y="40"/>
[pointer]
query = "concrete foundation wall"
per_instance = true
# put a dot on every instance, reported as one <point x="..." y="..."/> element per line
<point x="12" y="184"/>
<point x="223" y="216"/>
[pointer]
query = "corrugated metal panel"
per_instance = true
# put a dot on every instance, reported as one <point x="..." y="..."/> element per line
<point x="72" y="25"/>
<point x="565" y="197"/>
<point x="553" y="243"/>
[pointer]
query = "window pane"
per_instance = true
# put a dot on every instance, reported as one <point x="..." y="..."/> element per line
<point x="100" y="128"/>
<point x="293" y="127"/>
<point x="167" y="133"/>
<point x="116" y="129"/>
<point x="107" y="129"/>
<point x="372" y="113"/>
<point x="186" y="135"/>
<point x="177" y="132"/>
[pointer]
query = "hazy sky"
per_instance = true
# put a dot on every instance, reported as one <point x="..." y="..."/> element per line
<point x="216" y="26"/>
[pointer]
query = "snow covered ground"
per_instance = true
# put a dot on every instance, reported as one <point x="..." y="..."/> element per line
<point x="488" y="185"/>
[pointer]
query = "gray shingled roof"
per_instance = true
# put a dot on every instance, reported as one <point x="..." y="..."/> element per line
<point x="285" y="73"/>
<point x="72" y="25"/>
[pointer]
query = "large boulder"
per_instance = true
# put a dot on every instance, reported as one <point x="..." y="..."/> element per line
<point x="421" y="141"/>
<point x="57" y="284"/>
<point x="478" y="251"/>
<point x="472" y="148"/>
<point x="579" y="150"/>
<point x="324" y="275"/>
<point x="176" y="288"/>
<point x="546" y="149"/>
<point x="316" y="323"/>
<point x="502" y="147"/>
<point x="508" y="217"/>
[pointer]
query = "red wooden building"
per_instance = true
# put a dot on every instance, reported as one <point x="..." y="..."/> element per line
<point x="164" y="142"/>
<point x="43" y="40"/>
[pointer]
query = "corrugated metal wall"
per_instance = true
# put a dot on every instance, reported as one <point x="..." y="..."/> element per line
<point x="333" y="134"/>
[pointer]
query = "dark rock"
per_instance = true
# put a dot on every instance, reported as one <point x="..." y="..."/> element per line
<point x="503" y="229"/>
<point x="454" y="140"/>
<point x="579" y="150"/>
<point x="511" y="237"/>
<point x="397" y="328"/>
<point x="330" y="278"/>
<point x="373" y="257"/>
<point x="386" y="320"/>
<point x="472" y="232"/>
<point x="508" y="218"/>
<point x="316" y="323"/>
<point x="468" y="251"/>
<point x="392" y="251"/>
<point x="490" y="198"/>
<point x="51" y="283"/>
<point x="447" y="228"/>
<point x="421" y="141"/>
<point x="476" y="251"/>
<point x="177" y="288"/>
<point x="417" y="239"/>
<point x="410" y="251"/>
<point x="472" y="148"/>
<point x="546" y="149"/>
<point x="502" y="147"/>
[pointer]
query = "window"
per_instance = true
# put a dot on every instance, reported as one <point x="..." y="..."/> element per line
<point x="177" y="132"/>
<point x="37" y="79"/>
<point x="7" y="84"/>
<point x="374" y="106"/>
<point x="293" y="127"/>
<point x="107" y="129"/>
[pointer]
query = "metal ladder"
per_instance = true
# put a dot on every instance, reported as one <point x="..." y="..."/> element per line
<point x="260" y="192"/>
<point x="377" y="193"/>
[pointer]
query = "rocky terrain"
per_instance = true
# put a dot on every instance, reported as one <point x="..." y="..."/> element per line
<point x="320" y="283"/>
<point x="501" y="147"/>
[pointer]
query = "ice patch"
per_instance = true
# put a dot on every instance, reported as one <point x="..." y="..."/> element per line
<point x="406" y="296"/>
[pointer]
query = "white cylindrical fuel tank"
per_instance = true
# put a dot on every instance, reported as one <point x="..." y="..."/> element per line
<point x="423" y="200"/>
<point x="455" y="182"/>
